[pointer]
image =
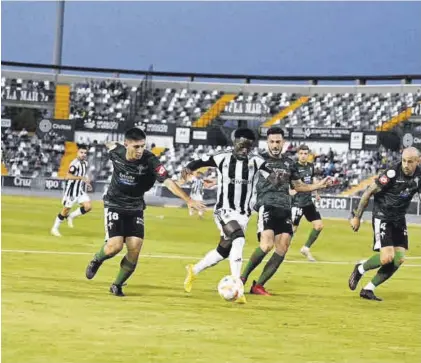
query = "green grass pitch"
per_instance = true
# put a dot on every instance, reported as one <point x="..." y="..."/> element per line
<point x="51" y="313"/>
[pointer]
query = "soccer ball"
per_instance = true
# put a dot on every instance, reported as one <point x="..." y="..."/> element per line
<point x="230" y="288"/>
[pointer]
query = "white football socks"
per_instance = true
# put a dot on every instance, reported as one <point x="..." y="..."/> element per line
<point x="236" y="256"/>
<point x="210" y="259"/>
<point x="75" y="213"/>
<point x="369" y="286"/>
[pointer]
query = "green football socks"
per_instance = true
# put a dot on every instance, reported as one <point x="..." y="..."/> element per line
<point x="126" y="270"/>
<point x="372" y="263"/>
<point x="255" y="259"/>
<point x="101" y="255"/>
<point x="314" y="234"/>
<point x="270" y="268"/>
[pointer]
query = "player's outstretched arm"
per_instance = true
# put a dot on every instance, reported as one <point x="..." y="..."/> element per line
<point x="177" y="191"/>
<point x="358" y="212"/>
<point x="197" y="164"/>
<point x="300" y="186"/>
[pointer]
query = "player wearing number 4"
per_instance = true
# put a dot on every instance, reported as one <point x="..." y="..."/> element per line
<point x="134" y="173"/>
<point x="393" y="191"/>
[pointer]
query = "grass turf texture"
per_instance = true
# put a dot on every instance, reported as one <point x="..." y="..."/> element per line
<point x="51" y="313"/>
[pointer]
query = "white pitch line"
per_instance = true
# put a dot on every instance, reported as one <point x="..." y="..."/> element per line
<point x="183" y="257"/>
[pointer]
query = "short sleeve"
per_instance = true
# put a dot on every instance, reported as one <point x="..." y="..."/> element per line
<point x="72" y="169"/>
<point x="261" y="165"/>
<point x="386" y="179"/>
<point x="158" y="169"/>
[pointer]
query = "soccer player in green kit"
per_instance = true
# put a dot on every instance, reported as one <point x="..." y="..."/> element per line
<point x="273" y="203"/>
<point x="302" y="203"/>
<point x="135" y="171"/>
<point x="393" y="191"/>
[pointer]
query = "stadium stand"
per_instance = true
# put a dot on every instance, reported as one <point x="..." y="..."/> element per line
<point x="111" y="100"/>
<point x="26" y="155"/>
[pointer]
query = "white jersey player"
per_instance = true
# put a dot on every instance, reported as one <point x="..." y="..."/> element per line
<point x="198" y="184"/>
<point x="75" y="191"/>
<point x="237" y="173"/>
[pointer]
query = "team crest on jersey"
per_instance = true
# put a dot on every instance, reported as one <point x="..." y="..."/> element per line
<point x="384" y="180"/>
<point x="160" y="170"/>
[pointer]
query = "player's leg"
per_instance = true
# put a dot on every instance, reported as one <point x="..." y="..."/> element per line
<point x="391" y="258"/>
<point x="85" y="207"/>
<point x="127" y="265"/>
<point x="296" y="215"/>
<point x="67" y="205"/>
<point x="214" y="256"/>
<point x="313" y="216"/>
<point x="266" y="238"/>
<point x="266" y="242"/>
<point x="114" y="236"/>
<point x="283" y="235"/>
<point x="282" y="243"/>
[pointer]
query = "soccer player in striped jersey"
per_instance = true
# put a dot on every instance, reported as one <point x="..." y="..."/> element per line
<point x="237" y="176"/>
<point x="75" y="191"/>
<point x="198" y="184"/>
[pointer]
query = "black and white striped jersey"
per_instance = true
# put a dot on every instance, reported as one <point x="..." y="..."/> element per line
<point x="236" y="179"/>
<point x="197" y="186"/>
<point x="74" y="188"/>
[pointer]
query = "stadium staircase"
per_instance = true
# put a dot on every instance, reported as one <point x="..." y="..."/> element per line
<point x="282" y="114"/>
<point x="216" y="109"/>
<point x="70" y="153"/>
<point x="62" y="102"/>
<point x="4" y="169"/>
<point x="157" y="151"/>
<point x="402" y="117"/>
<point x="358" y="188"/>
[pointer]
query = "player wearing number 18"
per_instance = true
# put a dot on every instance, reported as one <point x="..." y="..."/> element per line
<point x="135" y="171"/>
<point x="393" y="191"/>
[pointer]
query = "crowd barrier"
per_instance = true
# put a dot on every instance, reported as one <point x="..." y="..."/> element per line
<point x="326" y="202"/>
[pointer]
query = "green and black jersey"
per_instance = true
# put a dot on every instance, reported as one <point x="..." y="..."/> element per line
<point x="306" y="173"/>
<point x="268" y="194"/>
<point x="396" y="193"/>
<point x="132" y="179"/>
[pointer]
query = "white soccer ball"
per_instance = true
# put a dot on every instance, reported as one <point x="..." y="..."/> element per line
<point x="230" y="288"/>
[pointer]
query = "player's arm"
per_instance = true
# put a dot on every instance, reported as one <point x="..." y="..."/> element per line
<point x="208" y="161"/>
<point x="384" y="181"/>
<point x="371" y="190"/>
<point x="316" y="193"/>
<point x="162" y="176"/>
<point x="300" y="186"/>
<point x="71" y="175"/>
<point x="209" y="183"/>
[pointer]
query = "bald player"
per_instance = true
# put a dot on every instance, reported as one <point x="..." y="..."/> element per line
<point x="393" y="191"/>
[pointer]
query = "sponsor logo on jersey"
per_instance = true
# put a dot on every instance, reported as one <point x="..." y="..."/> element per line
<point x="127" y="179"/>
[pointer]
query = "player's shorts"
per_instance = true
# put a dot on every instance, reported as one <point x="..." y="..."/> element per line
<point x="69" y="202"/>
<point x="119" y="223"/>
<point x="309" y="211"/>
<point x="223" y="216"/>
<point x="197" y="197"/>
<point x="276" y="219"/>
<point x="389" y="233"/>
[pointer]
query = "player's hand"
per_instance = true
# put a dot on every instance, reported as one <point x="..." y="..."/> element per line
<point x="355" y="223"/>
<point x="86" y="180"/>
<point x="89" y="187"/>
<point x="325" y="183"/>
<point x="292" y="192"/>
<point x="185" y="173"/>
<point x="195" y="204"/>
<point x="318" y="198"/>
